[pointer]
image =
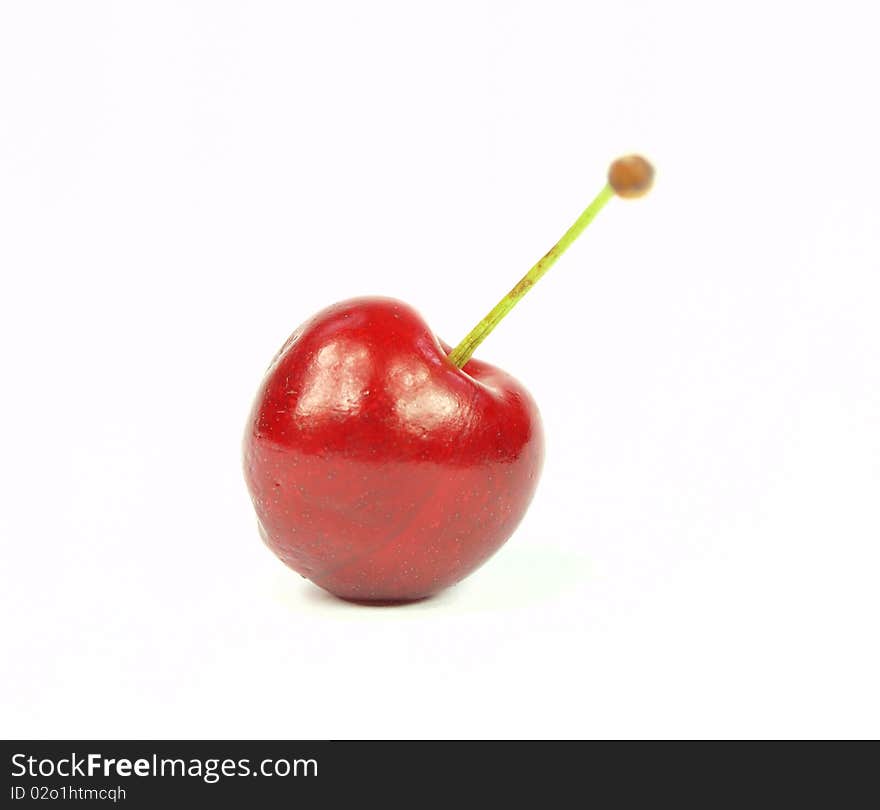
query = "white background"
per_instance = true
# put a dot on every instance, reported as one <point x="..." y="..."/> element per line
<point x="182" y="183"/>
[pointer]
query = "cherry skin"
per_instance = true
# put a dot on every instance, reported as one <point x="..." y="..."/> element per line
<point x="380" y="470"/>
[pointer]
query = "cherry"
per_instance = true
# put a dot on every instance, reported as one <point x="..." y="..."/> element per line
<point x="385" y="467"/>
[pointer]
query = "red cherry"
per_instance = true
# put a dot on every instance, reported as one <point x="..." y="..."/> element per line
<point x="385" y="467"/>
<point x="378" y="469"/>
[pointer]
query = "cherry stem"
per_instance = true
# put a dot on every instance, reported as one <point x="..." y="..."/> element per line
<point x="464" y="351"/>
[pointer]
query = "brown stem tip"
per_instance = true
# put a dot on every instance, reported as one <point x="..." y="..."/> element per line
<point x="631" y="176"/>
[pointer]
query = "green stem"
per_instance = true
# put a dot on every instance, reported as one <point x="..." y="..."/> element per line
<point x="464" y="351"/>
